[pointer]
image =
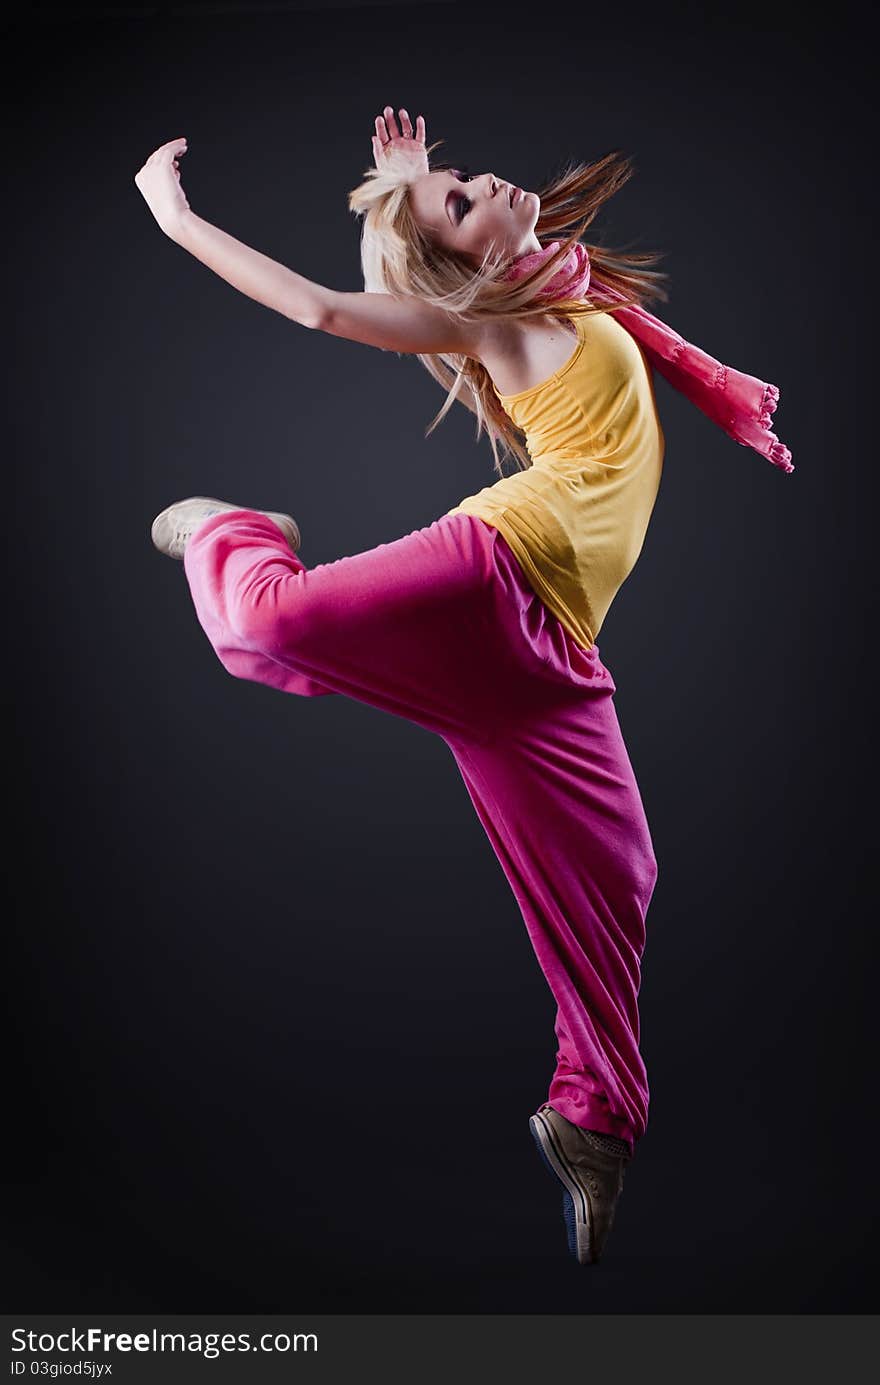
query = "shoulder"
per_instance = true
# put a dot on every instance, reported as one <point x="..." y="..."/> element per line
<point x="519" y="353"/>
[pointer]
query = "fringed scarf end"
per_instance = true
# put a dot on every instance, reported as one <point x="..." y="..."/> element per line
<point x="777" y="452"/>
<point x="768" y="405"/>
<point x="780" y="456"/>
<point x="750" y="433"/>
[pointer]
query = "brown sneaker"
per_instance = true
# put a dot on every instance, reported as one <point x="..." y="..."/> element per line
<point x="173" y="528"/>
<point x="590" y="1166"/>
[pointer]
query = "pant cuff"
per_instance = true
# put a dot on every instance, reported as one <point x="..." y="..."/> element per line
<point x="592" y="1114"/>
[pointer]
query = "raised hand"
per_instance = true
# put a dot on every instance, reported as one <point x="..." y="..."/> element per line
<point x="391" y="143"/>
<point x="159" y="183"/>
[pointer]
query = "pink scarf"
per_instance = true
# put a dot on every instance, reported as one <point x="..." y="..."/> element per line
<point x="738" y="403"/>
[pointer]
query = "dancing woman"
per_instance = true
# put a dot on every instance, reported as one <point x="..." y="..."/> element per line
<point x="482" y="627"/>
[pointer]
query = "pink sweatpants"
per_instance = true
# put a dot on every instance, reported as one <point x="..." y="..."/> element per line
<point x="441" y="627"/>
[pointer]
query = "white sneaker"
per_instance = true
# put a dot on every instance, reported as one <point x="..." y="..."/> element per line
<point x="173" y="528"/>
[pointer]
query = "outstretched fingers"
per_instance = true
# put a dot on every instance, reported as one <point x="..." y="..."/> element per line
<point x="390" y="136"/>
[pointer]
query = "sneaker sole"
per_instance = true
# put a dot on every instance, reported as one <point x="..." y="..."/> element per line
<point x="575" y="1207"/>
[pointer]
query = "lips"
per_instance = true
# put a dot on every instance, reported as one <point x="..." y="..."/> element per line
<point x="515" y="194"/>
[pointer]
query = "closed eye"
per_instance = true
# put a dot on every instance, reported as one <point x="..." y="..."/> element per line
<point x="462" y="204"/>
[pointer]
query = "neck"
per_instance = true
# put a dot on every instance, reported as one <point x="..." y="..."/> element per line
<point x="529" y="246"/>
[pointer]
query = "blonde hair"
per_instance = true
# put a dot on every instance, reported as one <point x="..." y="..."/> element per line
<point x="397" y="257"/>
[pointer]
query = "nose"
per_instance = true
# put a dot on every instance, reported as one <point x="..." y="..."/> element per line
<point x="497" y="185"/>
<point x="494" y="184"/>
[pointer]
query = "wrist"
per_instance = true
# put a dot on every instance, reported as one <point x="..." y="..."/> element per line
<point x="177" y="226"/>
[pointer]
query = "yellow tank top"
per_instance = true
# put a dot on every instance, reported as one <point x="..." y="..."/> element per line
<point x="576" y="519"/>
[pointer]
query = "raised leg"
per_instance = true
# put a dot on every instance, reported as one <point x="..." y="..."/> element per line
<point x="403" y="626"/>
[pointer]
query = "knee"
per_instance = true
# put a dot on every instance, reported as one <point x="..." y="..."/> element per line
<point x="267" y="614"/>
<point x="641" y="872"/>
<point x="652" y="871"/>
<point x="647" y="871"/>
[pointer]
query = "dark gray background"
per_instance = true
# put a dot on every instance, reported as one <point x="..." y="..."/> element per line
<point x="277" y="1026"/>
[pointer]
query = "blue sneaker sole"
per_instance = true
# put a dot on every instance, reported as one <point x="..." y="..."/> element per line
<point x="575" y="1211"/>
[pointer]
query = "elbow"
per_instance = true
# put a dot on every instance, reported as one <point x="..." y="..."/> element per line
<point x="317" y="314"/>
<point x="315" y="320"/>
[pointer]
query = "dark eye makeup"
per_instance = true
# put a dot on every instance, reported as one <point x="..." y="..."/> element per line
<point x="462" y="204"/>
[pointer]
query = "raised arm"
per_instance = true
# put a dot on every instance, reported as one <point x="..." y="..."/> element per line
<point x="395" y="324"/>
<point x="392" y="324"/>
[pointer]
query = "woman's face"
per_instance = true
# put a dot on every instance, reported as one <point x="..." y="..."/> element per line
<point x="471" y="212"/>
